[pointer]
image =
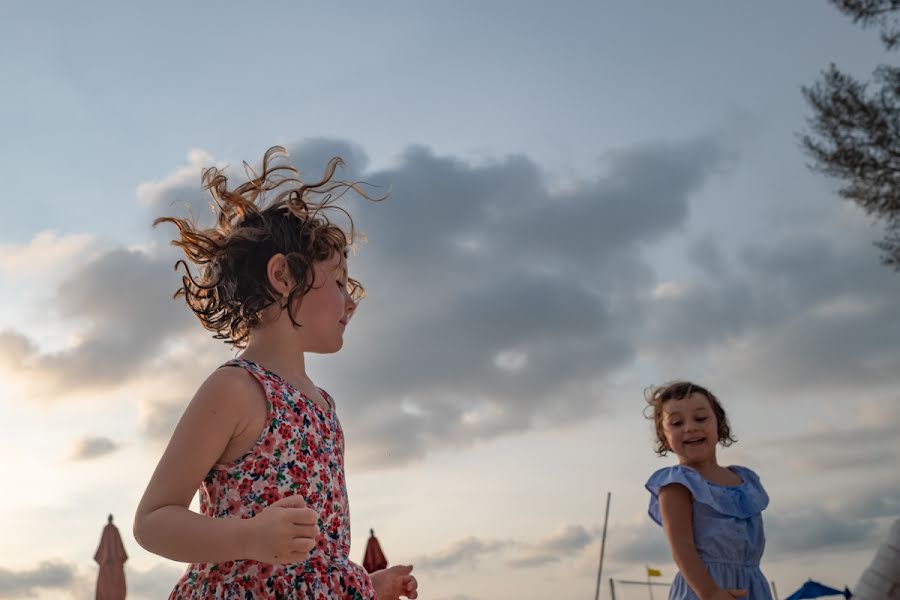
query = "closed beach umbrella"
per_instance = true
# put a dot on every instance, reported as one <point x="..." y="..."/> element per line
<point x="111" y="557"/>
<point x="374" y="559"/>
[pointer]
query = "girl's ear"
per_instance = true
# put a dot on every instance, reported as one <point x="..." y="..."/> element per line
<point x="279" y="275"/>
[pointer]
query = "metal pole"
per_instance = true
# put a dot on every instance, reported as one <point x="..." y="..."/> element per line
<point x="612" y="589"/>
<point x="649" y="585"/>
<point x="603" y="548"/>
<point x="774" y="591"/>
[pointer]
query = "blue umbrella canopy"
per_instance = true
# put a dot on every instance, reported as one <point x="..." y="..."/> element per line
<point x="814" y="589"/>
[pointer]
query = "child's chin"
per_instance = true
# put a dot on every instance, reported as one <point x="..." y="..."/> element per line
<point x="696" y="452"/>
<point x="330" y="347"/>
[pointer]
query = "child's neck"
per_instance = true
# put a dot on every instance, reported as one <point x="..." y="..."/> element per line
<point x="703" y="466"/>
<point x="278" y="352"/>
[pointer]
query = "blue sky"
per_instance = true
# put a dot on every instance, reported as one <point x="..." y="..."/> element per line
<point x="587" y="198"/>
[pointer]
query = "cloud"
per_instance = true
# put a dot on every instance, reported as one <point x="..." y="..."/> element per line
<point x="813" y="529"/>
<point x="26" y="583"/>
<point x="45" y="251"/>
<point x="93" y="447"/>
<point x="812" y="314"/>
<point x="499" y="304"/>
<point x="467" y="551"/>
<point x="180" y="193"/>
<point x="568" y="540"/>
<point x="159" y="417"/>
<point x="869" y="501"/>
<point x="642" y="542"/>
<point x="532" y="309"/>
<point x="119" y="303"/>
<point x="155" y="582"/>
<point x="534" y="303"/>
<point x="66" y="581"/>
<point x="868" y="444"/>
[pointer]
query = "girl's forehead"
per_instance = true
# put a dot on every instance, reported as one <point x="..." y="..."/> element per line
<point x="693" y="402"/>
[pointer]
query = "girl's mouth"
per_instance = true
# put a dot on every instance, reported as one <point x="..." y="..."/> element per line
<point x="697" y="442"/>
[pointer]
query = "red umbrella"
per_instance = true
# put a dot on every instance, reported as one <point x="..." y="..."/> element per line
<point x="111" y="557"/>
<point x="374" y="559"/>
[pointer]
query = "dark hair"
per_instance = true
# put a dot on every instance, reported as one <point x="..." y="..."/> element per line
<point x="677" y="390"/>
<point x="232" y="287"/>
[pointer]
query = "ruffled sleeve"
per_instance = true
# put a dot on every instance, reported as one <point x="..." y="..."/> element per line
<point x="742" y="501"/>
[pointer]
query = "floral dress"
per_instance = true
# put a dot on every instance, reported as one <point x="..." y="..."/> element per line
<point x="301" y="451"/>
<point x="728" y="528"/>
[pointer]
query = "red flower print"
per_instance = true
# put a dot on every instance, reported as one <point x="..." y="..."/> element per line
<point x="300" y="452"/>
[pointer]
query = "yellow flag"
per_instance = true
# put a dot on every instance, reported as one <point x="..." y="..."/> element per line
<point x="653" y="572"/>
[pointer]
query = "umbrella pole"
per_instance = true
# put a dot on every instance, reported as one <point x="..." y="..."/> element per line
<point x="774" y="591"/>
<point x="603" y="549"/>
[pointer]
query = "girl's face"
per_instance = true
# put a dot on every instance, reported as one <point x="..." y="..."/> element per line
<point x="691" y="428"/>
<point x="326" y="308"/>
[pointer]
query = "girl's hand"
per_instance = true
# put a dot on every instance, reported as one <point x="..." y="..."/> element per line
<point x="284" y="532"/>
<point x="393" y="582"/>
<point x="730" y="594"/>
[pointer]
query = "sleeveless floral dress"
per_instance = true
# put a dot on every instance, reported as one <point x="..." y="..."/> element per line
<point x="301" y="451"/>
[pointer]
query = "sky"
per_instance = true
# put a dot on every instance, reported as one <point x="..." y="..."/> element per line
<point x="586" y="199"/>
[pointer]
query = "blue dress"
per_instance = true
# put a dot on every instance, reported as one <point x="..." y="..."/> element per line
<point x="728" y="528"/>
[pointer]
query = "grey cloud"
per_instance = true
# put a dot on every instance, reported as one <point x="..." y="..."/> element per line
<point x="121" y="302"/>
<point x="872" y="502"/>
<point x="706" y="254"/>
<point x="155" y="582"/>
<point x="871" y="446"/>
<point x="568" y="541"/>
<point x="49" y="575"/>
<point x="638" y="543"/>
<point x="182" y="195"/>
<point x="571" y="539"/>
<point x="182" y="373"/>
<point x="160" y="418"/>
<point x="471" y="265"/>
<point x="468" y="551"/>
<point x="93" y="447"/>
<point x="809" y="313"/>
<point x="506" y="209"/>
<point x="16" y="349"/>
<point x="312" y="155"/>
<point x="813" y="529"/>
<point x="506" y="305"/>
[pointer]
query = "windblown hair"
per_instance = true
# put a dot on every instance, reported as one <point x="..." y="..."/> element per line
<point x="678" y="390"/>
<point x="232" y="287"/>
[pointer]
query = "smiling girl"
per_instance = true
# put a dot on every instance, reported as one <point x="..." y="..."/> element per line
<point x="711" y="514"/>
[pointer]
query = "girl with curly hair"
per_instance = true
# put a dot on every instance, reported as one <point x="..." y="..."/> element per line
<point x="711" y="514"/>
<point x="259" y="439"/>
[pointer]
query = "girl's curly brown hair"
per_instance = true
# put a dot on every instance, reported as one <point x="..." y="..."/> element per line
<point x="678" y="390"/>
<point x="232" y="287"/>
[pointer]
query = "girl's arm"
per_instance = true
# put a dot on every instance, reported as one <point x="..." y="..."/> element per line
<point x="677" y="518"/>
<point x="166" y="526"/>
